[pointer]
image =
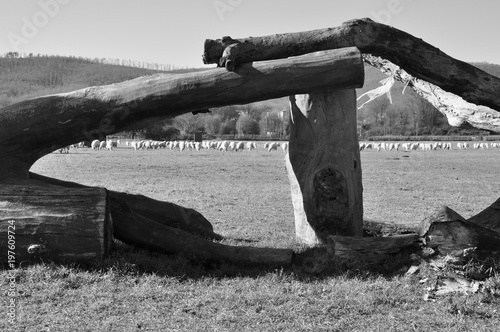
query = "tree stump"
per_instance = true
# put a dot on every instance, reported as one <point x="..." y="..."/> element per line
<point x="63" y="225"/>
<point x="450" y="234"/>
<point x="324" y="166"/>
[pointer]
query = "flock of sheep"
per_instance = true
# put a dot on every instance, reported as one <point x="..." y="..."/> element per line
<point x="272" y="146"/>
<point x="407" y="146"/>
<point x="179" y="145"/>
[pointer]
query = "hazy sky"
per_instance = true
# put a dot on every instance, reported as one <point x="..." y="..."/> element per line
<point x="173" y="31"/>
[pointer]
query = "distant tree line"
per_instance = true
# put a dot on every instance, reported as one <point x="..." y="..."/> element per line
<point x="237" y="121"/>
<point x="103" y="61"/>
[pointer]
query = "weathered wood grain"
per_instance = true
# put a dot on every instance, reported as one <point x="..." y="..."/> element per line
<point x="324" y="166"/>
<point x="349" y="247"/>
<point x="69" y="224"/>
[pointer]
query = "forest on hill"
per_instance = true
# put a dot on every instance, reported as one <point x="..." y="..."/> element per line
<point x="27" y="76"/>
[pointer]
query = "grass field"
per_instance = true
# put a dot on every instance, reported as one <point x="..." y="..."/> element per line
<point x="246" y="196"/>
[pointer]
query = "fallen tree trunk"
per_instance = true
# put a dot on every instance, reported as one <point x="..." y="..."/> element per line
<point x="415" y="56"/>
<point x="144" y="233"/>
<point x="33" y="128"/>
<point x="151" y="224"/>
<point x="164" y="213"/>
<point x="444" y="231"/>
<point x="54" y="223"/>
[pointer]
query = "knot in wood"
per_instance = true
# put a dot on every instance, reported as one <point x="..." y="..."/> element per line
<point x="331" y="196"/>
<point x="330" y="183"/>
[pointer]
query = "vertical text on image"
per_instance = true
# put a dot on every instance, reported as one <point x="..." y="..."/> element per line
<point x="11" y="263"/>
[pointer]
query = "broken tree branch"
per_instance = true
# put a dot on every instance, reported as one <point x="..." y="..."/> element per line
<point x="459" y="112"/>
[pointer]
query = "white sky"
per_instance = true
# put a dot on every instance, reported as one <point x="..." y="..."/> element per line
<point x="173" y="31"/>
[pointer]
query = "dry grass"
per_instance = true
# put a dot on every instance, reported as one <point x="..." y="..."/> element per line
<point x="246" y="196"/>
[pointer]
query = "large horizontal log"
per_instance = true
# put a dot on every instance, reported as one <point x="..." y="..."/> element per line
<point x="33" y="128"/>
<point x="54" y="223"/>
<point x="415" y="56"/>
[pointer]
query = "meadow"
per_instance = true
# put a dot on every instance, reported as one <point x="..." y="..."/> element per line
<point x="246" y="196"/>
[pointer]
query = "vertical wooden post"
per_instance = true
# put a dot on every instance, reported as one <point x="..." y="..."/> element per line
<point x="324" y="167"/>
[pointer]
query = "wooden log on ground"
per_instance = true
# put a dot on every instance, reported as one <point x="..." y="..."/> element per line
<point x="456" y="237"/>
<point x="450" y="234"/>
<point x="165" y="213"/>
<point x="54" y="224"/>
<point x="412" y="54"/>
<point x="444" y="231"/>
<point x="145" y="233"/>
<point x="168" y="214"/>
<point x="35" y="127"/>
<point x="442" y="214"/>
<point x="324" y="167"/>
<point x="347" y="247"/>
<point x="143" y="222"/>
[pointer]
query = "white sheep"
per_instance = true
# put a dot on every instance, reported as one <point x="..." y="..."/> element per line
<point x="95" y="144"/>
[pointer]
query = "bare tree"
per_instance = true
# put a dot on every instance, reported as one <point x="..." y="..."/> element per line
<point x="213" y="124"/>
<point x="188" y="124"/>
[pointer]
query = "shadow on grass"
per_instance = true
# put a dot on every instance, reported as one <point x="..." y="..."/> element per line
<point x="308" y="265"/>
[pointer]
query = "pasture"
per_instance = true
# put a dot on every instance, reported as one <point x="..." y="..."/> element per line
<point x="246" y="196"/>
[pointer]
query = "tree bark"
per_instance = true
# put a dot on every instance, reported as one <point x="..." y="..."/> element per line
<point x="450" y="234"/>
<point x="352" y="248"/>
<point x="33" y="128"/>
<point x="54" y="223"/>
<point x="412" y="54"/>
<point x="456" y="237"/>
<point x="324" y="166"/>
